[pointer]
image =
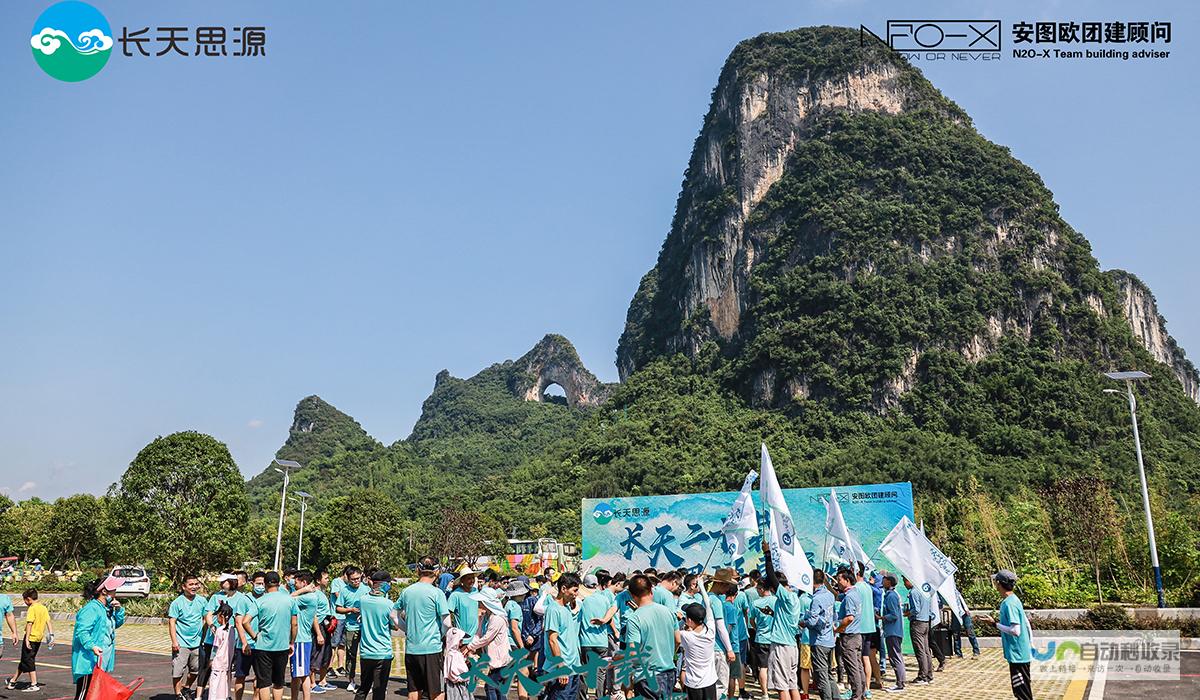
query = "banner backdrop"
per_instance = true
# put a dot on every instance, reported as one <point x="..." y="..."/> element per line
<point x="667" y="532"/>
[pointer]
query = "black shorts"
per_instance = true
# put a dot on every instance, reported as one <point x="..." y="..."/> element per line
<point x="243" y="662"/>
<point x="28" y="654"/>
<point x="270" y="668"/>
<point x="424" y="673"/>
<point x="321" y="656"/>
<point x="761" y="654"/>
<point x="867" y="641"/>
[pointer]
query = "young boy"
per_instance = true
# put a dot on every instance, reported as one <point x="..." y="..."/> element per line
<point x="37" y="627"/>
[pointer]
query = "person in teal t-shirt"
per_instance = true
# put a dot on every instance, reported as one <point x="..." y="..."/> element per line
<point x="185" y="624"/>
<point x="464" y="610"/>
<point x="1015" y="634"/>
<point x="347" y="604"/>
<point x="377" y="622"/>
<point x="309" y="635"/>
<point x="653" y="629"/>
<point x="424" y="615"/>
<point x="277" y="615"/>
<point x="561" y="643"/>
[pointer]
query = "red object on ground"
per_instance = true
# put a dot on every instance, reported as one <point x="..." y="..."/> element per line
<point x="104" y="687"/>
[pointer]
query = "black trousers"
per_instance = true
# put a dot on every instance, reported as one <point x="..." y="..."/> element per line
<point x="1019" y="675"/>
<point x="81" y="686"/>
<point x="373" y="679"/>
<point x="936" y="647"/>
<point x="351" y="638"/>
<point x="709" y="693"/>
<point x="205" y="665"/>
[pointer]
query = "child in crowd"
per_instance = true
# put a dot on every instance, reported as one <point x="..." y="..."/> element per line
<point x="37" y="629"/>
<point x="222" y="654"/>
<point x="455" y="666"/>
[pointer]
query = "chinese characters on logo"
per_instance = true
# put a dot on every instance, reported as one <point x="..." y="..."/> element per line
<point x="206" y="41"/>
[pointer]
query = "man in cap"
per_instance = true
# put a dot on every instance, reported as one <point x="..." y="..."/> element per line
<point x="376" y="622"/>
<point x="1015" y="634"/>
<point x="274" y="638"/>
<point x="425" y="614"/>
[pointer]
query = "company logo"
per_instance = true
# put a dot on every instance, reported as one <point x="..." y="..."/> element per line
<point x="926" y="587"/>
<point x="71" y="41"/>
<point x="938" y="34"/>
<point x="603" y="513"/>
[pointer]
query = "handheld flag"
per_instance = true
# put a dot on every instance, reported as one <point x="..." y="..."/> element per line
<point x="781" y="536"/>
<point x="916" y="557"/>
<point x="842" y="544"/>
<point x="742" y="520"/>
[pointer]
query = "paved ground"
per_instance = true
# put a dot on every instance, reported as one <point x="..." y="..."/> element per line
<point x="143" y="652"/>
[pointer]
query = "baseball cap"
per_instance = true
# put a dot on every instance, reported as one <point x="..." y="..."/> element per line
<point x="380" y="576"/>
<point x="1005" y="577"/>
<point x="226" y="577"/>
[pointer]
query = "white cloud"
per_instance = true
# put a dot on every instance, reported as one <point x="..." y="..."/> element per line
<point x="255" y="423"/>
<point x="49" y="39"/>
<point x="27" y="487"/>
<point x="93" y="41"/>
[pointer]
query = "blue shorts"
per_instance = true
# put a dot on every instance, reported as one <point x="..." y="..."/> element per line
<point x="301" y="659"/>
<point x="242" y="663"/>
<point x="338" y="638"/>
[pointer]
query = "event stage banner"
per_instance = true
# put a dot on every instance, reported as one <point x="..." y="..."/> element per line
<point x="667" y="532"/>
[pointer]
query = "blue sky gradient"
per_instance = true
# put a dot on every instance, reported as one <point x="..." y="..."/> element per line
<point x="402" y="187"/>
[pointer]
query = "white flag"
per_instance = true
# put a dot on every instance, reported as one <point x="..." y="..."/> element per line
<point x="742" y="520"/>
<point x="915" y="556"/>
<point x="781" y="537"/>
<point x="842" y="544"/>
<point x="950" y="592"/>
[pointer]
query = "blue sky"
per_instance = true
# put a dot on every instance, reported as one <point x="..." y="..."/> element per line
<point x="402" y="187"/>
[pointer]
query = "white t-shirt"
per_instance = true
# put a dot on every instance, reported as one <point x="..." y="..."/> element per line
<point x="699" y="668"/>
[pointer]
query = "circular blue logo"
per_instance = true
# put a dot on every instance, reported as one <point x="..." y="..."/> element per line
<point x="71" y="41"/>
<point x="786" y="539"/>
<point x="926" y="587"/>
<point x="603" y="513"/>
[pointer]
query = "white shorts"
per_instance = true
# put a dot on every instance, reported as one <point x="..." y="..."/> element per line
<point x="781" y="667"/>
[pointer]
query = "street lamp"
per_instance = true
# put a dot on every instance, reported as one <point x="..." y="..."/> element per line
<point x="1129" y="378"/>
<point x="303" y="498"/>
<point x="287" y="465"/>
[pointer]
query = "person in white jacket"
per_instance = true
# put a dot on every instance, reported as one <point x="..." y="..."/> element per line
<point x="697" y="640"/>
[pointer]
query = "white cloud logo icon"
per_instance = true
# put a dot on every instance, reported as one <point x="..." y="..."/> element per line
<point x="49" y="39"/>
<point x="94" y="40"/>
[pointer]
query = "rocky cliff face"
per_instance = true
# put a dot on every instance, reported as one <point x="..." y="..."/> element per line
<point x="1141" y="311"/>
<point x="840" y="218"/>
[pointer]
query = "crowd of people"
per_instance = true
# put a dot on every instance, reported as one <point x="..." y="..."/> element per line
<point x="611" y="636"/>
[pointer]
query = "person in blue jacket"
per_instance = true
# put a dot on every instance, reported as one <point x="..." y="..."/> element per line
<point x="95" y="637"/>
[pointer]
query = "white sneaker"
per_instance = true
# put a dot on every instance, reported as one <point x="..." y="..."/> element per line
<point x="350" y="687"/>
<point x="32" y="689"/>
<point x="895" y="689"/>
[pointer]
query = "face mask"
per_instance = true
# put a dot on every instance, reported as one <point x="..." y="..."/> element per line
<point x="385" y="586"/>
<point x="259" y="590"/>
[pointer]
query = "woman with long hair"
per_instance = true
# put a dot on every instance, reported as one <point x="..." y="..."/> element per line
<point x="94" y="639"/>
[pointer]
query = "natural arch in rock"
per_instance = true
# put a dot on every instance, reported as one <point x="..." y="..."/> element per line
<point x="554" y="361"/>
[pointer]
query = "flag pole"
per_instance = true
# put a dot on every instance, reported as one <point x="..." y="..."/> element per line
<point x="711" y="552"/>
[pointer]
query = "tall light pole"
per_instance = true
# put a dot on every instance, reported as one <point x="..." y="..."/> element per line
<point x="1129" y="378"/>
<point x="303" y="498"/>
<point x="287" y="465"/>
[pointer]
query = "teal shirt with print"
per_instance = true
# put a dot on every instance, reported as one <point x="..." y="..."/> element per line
<point x="424" y="606"/>
<point x="307" y="605"/>
<point x="1017" y="650"/>
<point x="565" y="623"/>
<point x="349" y="598"/>
<point x="189" y="619"/>
<point x="375" y="637"/>
<point x="595" y="606"/>
<point x="274" y="616"/>
<point x="761" y="618"/>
